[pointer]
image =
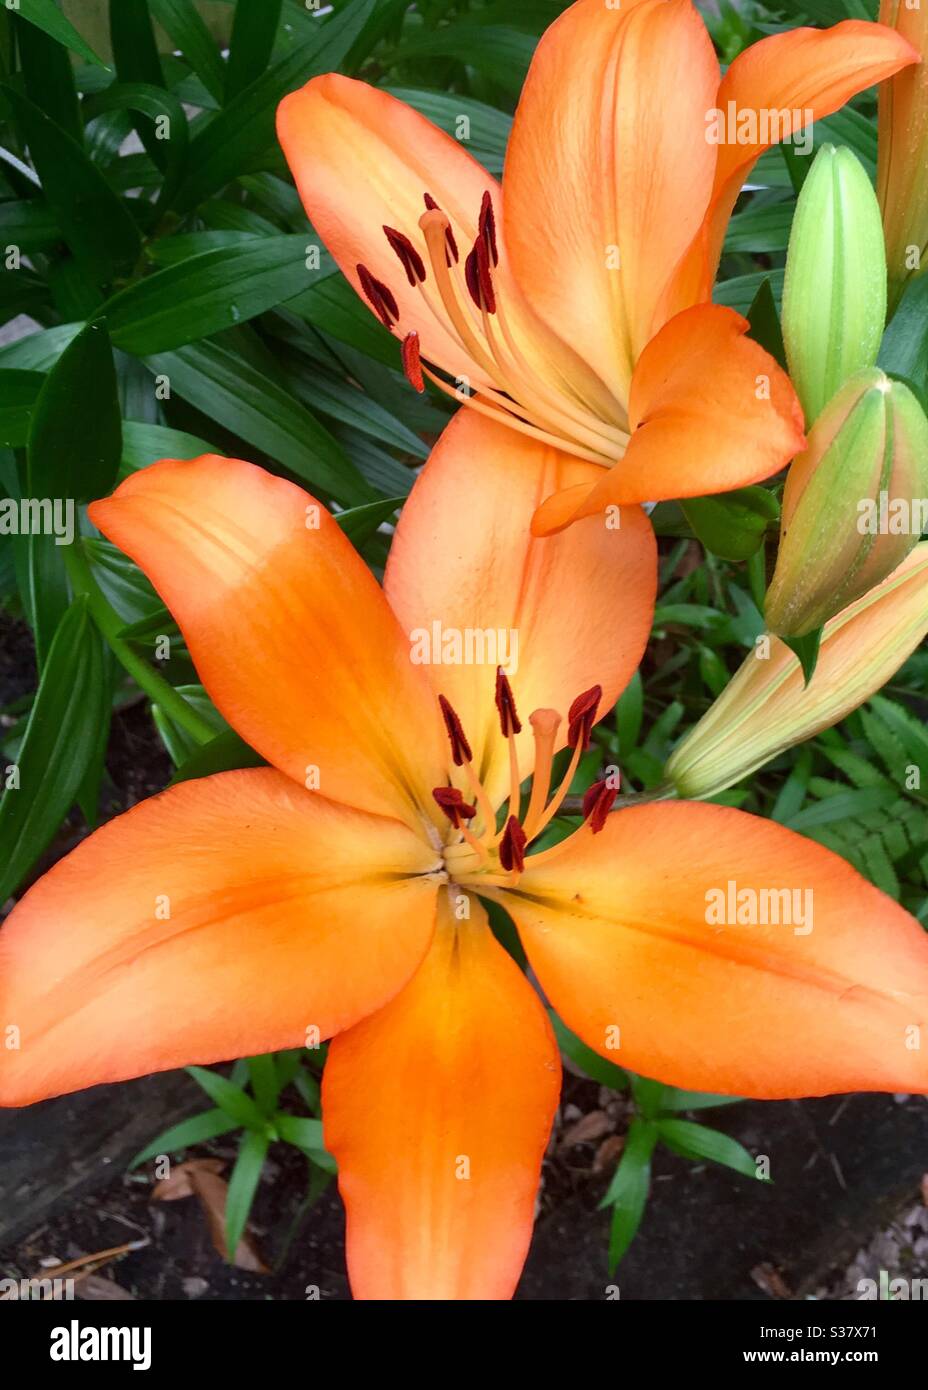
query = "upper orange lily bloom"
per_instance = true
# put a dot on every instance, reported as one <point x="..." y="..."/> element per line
<point x="234" y="914"/>
<point x="574" y="301"/>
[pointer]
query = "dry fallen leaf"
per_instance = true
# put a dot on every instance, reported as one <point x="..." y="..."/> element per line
<point x="586" y="1129"/>
<point x="608" y="1154"/>
<point x="199" y="1177"/>
<point x="925" y="1188"/>
<point x="179" y="1182"/>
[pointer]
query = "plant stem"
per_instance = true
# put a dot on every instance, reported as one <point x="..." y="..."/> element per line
<point x="158" y="690"/>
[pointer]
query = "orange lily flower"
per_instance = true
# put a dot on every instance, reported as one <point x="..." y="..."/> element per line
<point x="234" y="914"/>
<point x="575" y="301"/>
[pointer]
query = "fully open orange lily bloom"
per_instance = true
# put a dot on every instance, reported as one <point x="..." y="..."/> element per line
<point x="575" y="301"/>
<point x="239" y="913"/>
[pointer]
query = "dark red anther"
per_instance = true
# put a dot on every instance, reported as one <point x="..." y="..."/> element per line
<point x="582" y="716"/>
<point x="512" y="846"/>
<point x="505" y="703"/>
<point x="409" y="257"/>
<point x="488" y="227"/>
<point x="597" y="803"/>
<point x="452" y="254"/>
<point x="460" y="748"/>
<point x="478" y="278"/>
<point x="411" y="363"/>
<point x="380" y="297"/>
<point x="454" y="806"/>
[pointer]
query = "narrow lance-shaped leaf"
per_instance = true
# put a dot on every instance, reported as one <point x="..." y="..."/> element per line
<point x="245" y="127"/>
<point x="75" y="441"/>
<point x="183" y="22"/>
<point x="94" y="221"/>
<point x="243" y="1185"/>
<point x="57" y="747"/>
<point x="253" y="29"/>
<point x="207" y="293"/>
<point x="628" y="1192"/>
<point x="46" y="15"/>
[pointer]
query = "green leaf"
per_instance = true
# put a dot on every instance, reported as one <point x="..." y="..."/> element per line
<point x="180" y="19"/>
<point x="207" y="293"/>
<point x="740" y="292"/>
<point x="230" y="1098"/>
<point x="345" y="403"/>
<point x="209" y="1125"/>
<point x="496" y="50"/>
<point x="648" y="1095"/>
<point x="762" y="227"/>
<point x="360" y="523"/>
<point x="39" y="351"/>
<point x="675" y="1099"/>
<point x="75" y="441"/>
<point x="690" y="1140"/>
<point x="590" y="1063"/>
<point x="262" y="1072"/>
<point x="179" y="741"/>
<point x="254" y="27"/>
<point x="42" y="579"/>
<point x="28" y="224"/>
<point x="305" y="1134"/>
<point x="806" y="648"/>
<point x="732" y="524"/>
<point x="252" y="406"/>
<point x="143" y="445"/>
<point x="48" y="78"/>
<point x="136" y="55"/>
<point x="628" y="1191"/>
<point x="765" y="322"/>
<point x="94" y="221"/>
<point x="843" y="806"/>
<point x="629" y="713"/>
<point x="904" y="350"/>
<point x="19" y="391"/>
<point x="46" y="15"/>
<point x="57" y="747"/>
<point x="242" y="1187"/>
<point x="154" y="103"/>
<point x="223" y="753"/>
<point x="333" y="306"/>
<point x="245" y="127"/>
<point x="909" y="730"/>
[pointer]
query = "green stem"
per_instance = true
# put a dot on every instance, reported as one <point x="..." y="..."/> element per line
<point x="158" y="690"/>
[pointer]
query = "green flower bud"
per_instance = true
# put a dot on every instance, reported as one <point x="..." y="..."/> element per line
<point x="834" y="293"/>
<point x="853" y="505"/>
<point x="766" y="707"/>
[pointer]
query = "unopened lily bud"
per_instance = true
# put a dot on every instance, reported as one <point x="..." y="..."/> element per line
<point x="902" y="162"/>
<point x="767" y="708"/>
<point x="853" y="504"/>
<point x="834" y="291"/>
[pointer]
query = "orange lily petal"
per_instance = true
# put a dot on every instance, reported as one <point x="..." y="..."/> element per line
<point x="363" y="160"/>
<point x="710" y="411"/>
<point x="799" y="75"/>
<point x="289" y="630"/>
<point x="573" y="612"/>
<point x="438" y="1109"/>
<point x="621" y="931"/>
<point x="608" y="160"/>
<point x="225" y="917"/>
